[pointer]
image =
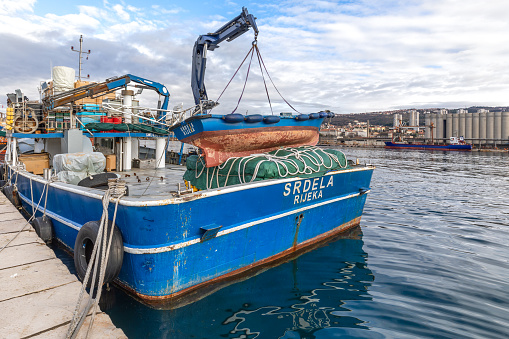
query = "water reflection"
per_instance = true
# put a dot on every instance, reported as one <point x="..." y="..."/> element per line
<point x="345" y="278"/>
<point x="296" y="299"/>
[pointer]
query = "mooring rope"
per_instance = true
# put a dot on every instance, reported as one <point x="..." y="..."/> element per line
<point x="45" y="188"/>
<point x="116" y="189"/>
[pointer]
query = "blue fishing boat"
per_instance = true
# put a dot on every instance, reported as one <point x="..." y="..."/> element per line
<point x="165" y="240"/>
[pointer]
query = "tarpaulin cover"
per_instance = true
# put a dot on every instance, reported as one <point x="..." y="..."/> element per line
<point x="73" y="167"/>
<point x="304" y="162"/>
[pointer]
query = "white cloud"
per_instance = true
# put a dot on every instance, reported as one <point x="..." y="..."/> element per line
<point x="356" y="56"/>
<point x="12" y="6"/>
<point x="119" y="10"/>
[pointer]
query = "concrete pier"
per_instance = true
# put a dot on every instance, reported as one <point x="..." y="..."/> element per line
<point x="38" y="294"/>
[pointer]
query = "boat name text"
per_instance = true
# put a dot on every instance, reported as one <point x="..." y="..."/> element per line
<point x="187" y="129"/>
<point x="307" y="190"/>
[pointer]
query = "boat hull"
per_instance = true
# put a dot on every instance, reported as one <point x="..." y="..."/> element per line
<point x="462" y="147"/>
<point x="165" y="254"/>
<point x="220" y="140"/>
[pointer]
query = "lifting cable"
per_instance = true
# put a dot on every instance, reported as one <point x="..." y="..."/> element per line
<point x="262" y="68"/>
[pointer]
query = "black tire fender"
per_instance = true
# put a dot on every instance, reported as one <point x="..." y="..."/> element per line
<point x="44" y="228"/>
<point x="84" y="246"/>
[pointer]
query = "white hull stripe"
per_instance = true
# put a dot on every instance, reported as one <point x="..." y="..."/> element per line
<point x="153" y="250"/>
<point x="52" y="215"/>
<point x="182" y="244"/>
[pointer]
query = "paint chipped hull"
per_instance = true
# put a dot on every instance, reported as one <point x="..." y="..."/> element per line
<point x="219" y="140"/>
<point x="165" y="252"/>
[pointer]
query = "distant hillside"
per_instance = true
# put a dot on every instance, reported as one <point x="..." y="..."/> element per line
<point x="386" y="118"/>
<point x="374" y="118"/>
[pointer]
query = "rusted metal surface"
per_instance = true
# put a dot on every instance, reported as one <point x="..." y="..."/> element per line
<point x="250" y="269"/>
<point x="219" y="146"/>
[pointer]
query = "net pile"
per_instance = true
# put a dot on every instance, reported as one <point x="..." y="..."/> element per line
<point x="304" y="162"/>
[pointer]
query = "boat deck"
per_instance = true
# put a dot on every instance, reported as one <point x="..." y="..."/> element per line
<point x="154" y="183"/>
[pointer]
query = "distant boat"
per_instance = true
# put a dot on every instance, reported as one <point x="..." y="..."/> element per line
<point x="455" y="145"/>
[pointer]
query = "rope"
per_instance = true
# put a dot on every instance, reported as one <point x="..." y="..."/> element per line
<point x="116" y="189"/>
<point x="245" y="82"/>
<point x="30" y="219"/>
<point x="263" y="63"/>
<point x="234" y="74"/>
<point x="263" y="77"/>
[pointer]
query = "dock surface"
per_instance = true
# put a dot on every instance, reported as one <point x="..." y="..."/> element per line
<point x="38" y="294"/>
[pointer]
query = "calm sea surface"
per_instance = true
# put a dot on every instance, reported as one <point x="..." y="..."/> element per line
<point x="430" y="260"/>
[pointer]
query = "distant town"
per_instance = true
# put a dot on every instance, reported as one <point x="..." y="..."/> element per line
<point x="482" y="125"/>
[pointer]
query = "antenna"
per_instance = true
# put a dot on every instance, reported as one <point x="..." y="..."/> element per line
<point x="81" y="52"/>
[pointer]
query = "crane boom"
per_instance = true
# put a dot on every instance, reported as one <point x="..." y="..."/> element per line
<point x="230" y="31"/>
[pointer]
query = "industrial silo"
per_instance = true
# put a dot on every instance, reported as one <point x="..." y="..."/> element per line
<point x="505" y="127"/>
<point x="395" y="122"/>
<point x="440" y="127"/>
<point x="497" y="133"/>
<point x="455" y="125"/>
<point x="467" y="130"/>
<point x="475" y="127"/>
<point x="463" y="125"/>
<point x="490" y="127"/>
<point x="411" y="118"/>
<point x="482" y="127"/>
<point x="448" y="126"/>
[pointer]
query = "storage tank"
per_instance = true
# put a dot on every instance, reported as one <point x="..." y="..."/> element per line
<point x="440" y="127"/>
<point x="490" y="127"/>
<point x="463" y="125"/>
<point x="63" y="78"/>
<point x="456" y="125"/>
<point x="416" y="118"/>
<point x="475" y="127"/>
<point x="505" y="127"/>
<point x="427" y="123"/>
<point x="482" y="127"/>
<point x="448" y="126"/>
<point x="467" y="129"/>
<point x="497" y="133"/>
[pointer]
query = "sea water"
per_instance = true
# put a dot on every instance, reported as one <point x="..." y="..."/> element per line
<point x="429" y="260"/>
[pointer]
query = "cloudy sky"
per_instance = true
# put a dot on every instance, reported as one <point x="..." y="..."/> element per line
<point x="346" y="56"/>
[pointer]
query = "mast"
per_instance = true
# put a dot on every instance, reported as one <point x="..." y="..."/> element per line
<point x="80" y="61"/>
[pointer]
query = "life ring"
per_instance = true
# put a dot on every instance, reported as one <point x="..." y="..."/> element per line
<point x="44" y="228"/>
<point x="84" y="246"/>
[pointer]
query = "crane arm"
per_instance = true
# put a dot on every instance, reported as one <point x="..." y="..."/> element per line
<point x="230" y="31"/>
<point x="98" y="89"/>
